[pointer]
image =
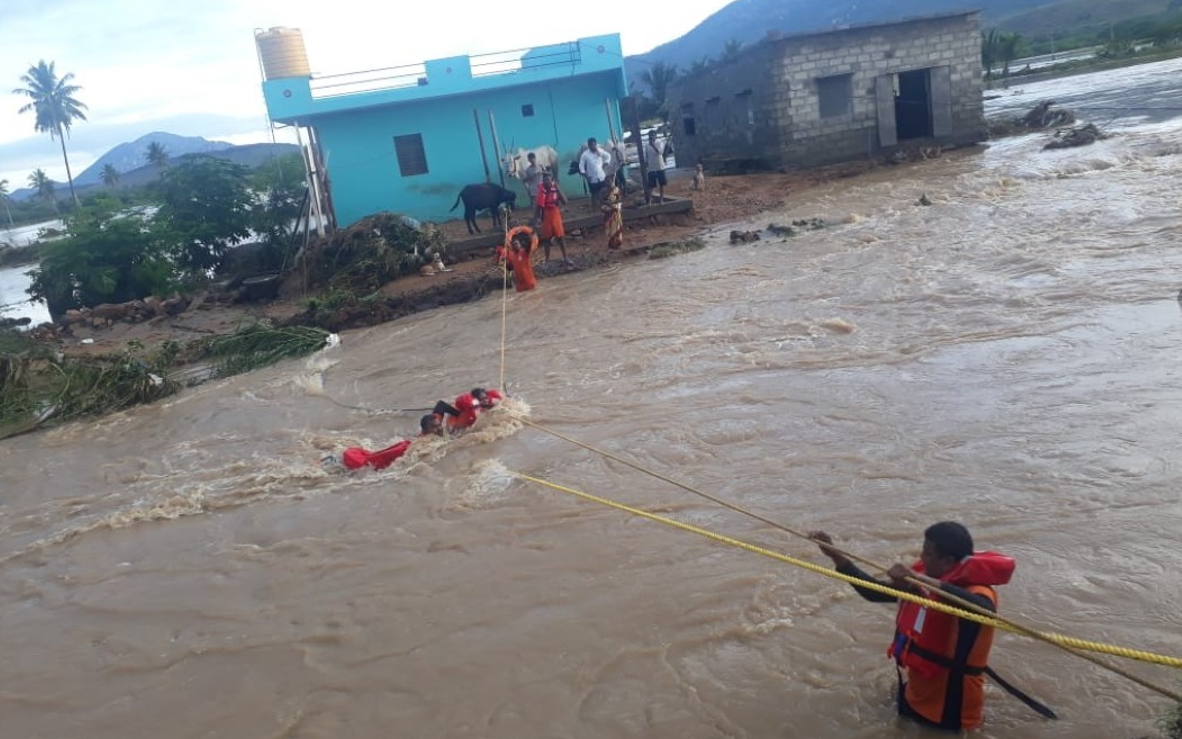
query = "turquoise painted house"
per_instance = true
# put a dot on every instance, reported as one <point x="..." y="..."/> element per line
<point x="407" y="139"/>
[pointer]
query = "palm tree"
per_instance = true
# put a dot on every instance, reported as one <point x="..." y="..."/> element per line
<point x="731" y="50"/>
<point x="6" y="198"/>
<point x="658" y="78"/>
<point x="52" y="100"/>
<point x="699" y="65"/>
<point x="1009" y="46"/>
<point x="990" y="51"/>
<point x="40" y="182"/>
<point x="157" y="155"/>
<point x="110" y="175"/>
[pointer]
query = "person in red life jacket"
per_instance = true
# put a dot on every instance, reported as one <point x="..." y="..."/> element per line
<point x="522" y="244"/>
<point x="548" y="216"/>
<point x="466" y="408"/>
<point x="356" y="458"/>
<point x="941" y="658"/>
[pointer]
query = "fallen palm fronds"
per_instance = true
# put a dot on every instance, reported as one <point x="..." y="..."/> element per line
<point x="261" y="344"/>
<point x="39" y="386"/>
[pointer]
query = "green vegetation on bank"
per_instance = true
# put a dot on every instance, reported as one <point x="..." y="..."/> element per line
<point x="40" y="387"/>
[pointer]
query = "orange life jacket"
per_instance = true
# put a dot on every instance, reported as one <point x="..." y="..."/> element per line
<point x="945" y="657"/>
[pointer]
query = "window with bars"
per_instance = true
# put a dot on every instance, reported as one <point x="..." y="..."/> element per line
<point x="412" y="158"/>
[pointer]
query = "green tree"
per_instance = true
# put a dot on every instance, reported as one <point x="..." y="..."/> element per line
<point x="52" y="101"/>
<point x="280" y="185"/>
<point x="108" y="256"/>
<point x="731" y="50"/>
<point x="157" y="155"/>
<point x="6" y="199"/>
<point x="990" y="43"/>
<point x="659" y="77"/>
<point x="1009" y="49"/>
<point x="40" y="182"/>
<point x="206" y="207"/>
<point x="699" y="65"/>
<point x="110" y="175"/>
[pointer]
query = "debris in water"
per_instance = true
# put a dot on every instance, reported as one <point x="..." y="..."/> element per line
<point x="799" y="225"/>
<point x="838" y="326"/>
<point x="1040" y="117"/>
<point x="1078" y="136"/>
<point x="743" y="237"/>
<point x="924" y="199"/>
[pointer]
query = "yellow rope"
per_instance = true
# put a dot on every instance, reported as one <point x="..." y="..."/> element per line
<point x="1058" y="639"/>
<point x="1010" y="624"/>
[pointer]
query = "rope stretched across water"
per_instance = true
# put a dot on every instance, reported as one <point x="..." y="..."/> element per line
<point x="1070" y="644"/>
<point x="966" y="609"/>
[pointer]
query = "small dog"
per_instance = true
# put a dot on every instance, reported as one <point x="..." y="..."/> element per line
<point x="699" y="178"/>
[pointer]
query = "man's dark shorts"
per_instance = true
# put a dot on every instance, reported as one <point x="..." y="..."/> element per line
<point x="595" y="187"/>
<point x="657" y="178"/>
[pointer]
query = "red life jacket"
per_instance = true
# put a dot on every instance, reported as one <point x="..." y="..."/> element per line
<point x="469" y="408"/>
<point x="355" y="457"/>
<point x="547" y="197"/>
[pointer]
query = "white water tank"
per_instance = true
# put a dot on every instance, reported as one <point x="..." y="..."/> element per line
<point x="282" y="52"/>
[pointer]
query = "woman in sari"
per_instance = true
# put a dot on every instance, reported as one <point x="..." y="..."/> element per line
<point x="613" y="218"/>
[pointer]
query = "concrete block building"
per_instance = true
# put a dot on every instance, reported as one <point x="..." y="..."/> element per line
<point x="819" y="98"/>
<point x="408" y="139"/>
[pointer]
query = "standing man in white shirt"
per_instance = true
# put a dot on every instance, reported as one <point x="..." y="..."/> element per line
<point x="654" y="153"/>
<point x="593" y="166"/>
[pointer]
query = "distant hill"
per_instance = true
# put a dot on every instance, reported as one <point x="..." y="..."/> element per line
<point x="1082" y="16"/>
<point x="138" y="172"/>
<point x="133" y="154"/>
<point x="750" y="21"/>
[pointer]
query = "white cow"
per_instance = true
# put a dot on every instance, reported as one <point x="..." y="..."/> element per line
<point x="516" y="161"/>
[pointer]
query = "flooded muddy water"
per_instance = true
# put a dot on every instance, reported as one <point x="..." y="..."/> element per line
<point x="1007" y="357"/>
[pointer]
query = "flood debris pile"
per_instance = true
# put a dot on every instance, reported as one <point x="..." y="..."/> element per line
<point x="370" y="253"/>
<point x="744" y="237"/>
<point x="1078" y="136"/>
<point x="671" y="248"/>
<point x="40" y="386"/>
<point x="1039" y="118"/>
<point x="797" y="227"/>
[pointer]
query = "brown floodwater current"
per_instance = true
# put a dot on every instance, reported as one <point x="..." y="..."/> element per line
<point x="1009" y="357"/>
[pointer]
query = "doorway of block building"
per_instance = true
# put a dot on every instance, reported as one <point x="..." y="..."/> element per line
<point x="913" y="104"/>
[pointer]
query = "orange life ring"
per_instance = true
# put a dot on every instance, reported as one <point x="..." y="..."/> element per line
<point x="533" y="237"/>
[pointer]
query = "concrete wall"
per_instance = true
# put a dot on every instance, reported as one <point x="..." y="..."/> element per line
<point x="951" y="45"/>
<point x="784" y="73"/>
<point x="363" y="168"/>
<point x="734" y="109"/>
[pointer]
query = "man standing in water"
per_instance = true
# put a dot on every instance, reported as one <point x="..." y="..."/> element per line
<point x="941" y="659"/>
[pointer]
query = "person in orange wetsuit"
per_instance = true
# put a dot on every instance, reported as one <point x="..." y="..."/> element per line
<point x="941" y="659"/>
<point x="519" y="255"/>
<point x="462" y="414"/>
<point x="355" y="457"/>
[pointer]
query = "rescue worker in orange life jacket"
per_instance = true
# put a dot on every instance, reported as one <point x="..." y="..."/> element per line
<point x="941" y="659"/>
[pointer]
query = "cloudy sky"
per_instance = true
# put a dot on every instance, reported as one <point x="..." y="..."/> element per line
<point x="190" y="67"/>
